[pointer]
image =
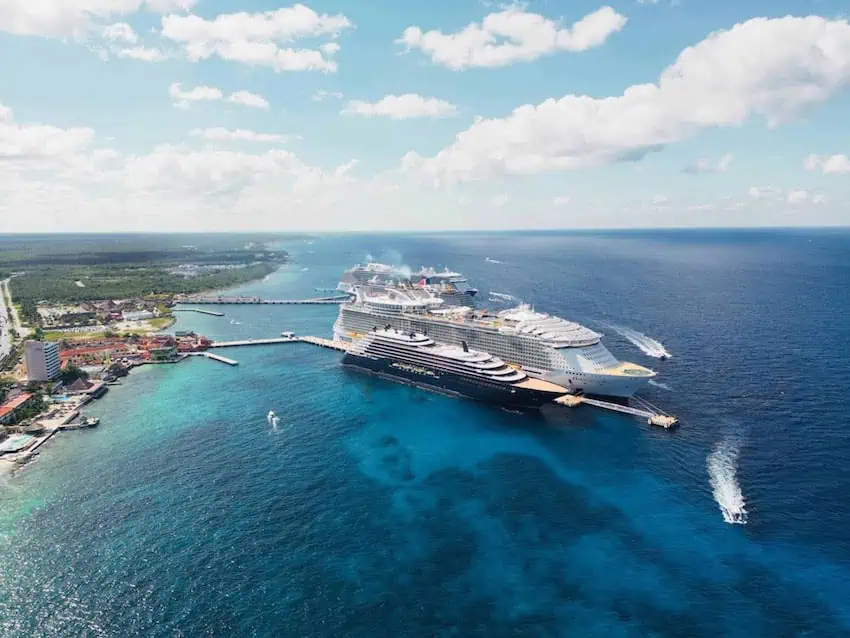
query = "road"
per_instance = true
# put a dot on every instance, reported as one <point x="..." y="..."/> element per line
<point x="8" y="320"/>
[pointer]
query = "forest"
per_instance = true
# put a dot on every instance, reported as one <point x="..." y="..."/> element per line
<point x="73" y="269"/>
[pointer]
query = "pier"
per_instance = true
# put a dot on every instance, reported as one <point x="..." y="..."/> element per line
<point x="316" y="301"/>
<point x="316" y="341"/>
<point x="202" y="311"/>
<point x="652" y="414"/>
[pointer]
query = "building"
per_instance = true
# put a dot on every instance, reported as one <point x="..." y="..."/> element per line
<point x="42" y="360"/>
<point x="140" y="315"/>
<point x="168" y="353"/>
<point x="9" y="410"/>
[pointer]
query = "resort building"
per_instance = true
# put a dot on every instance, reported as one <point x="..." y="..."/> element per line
<point x="42" y="360"/>
<point x="9" y="410"/>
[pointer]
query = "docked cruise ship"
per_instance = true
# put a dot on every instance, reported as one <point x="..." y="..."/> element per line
<point x="543" y="346"/>
<point x="452" y="287"/>
<point x="418" y="360"/>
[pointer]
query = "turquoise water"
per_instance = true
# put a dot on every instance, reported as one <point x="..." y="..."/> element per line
<point x="380" y="510"/>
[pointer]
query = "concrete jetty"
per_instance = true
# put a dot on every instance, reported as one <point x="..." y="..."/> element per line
<point x="316" y="341"/>
<point x="317" y="301"/>
<point x="202" y="311"/>
<point x="214" y="357"/>
<point x="653" y="415"/>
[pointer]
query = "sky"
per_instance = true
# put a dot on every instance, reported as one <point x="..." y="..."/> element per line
<point x="218" y="115"/>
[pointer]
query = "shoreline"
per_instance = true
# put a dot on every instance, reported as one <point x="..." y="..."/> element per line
<point x="9" y="468"/>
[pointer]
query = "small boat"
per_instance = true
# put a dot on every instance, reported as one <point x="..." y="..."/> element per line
<point x="91" y="421"/>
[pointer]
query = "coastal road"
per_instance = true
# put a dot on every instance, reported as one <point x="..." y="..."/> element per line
<point x="7" y="319"/>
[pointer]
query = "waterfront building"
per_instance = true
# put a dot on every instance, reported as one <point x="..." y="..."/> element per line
<point x="140" y="315"/>
<point x="42" y="360"/>
<point x="9" y="410"/>
<point x="168" y="353"/>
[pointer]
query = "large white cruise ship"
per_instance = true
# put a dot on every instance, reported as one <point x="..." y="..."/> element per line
<point x="452" y="287"/>
<point x="544" y="346"/>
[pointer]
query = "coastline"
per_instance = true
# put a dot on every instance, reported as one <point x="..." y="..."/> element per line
<point x="9" y="468"/>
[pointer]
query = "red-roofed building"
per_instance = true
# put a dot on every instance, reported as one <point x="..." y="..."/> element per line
<point x="9" y="409"/>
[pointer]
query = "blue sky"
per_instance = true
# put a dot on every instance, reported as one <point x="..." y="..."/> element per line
<point x="485" y="126"/>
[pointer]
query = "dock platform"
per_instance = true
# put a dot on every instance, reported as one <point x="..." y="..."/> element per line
<point x="316" y="341"/>
<point x="202" y="311"/>
<point x="230" y="301"/>
<point x="653" y="415"/>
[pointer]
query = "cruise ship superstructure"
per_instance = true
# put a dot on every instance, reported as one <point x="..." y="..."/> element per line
<point x="452" y="287"/>
<point x="543" y="346"/>
<point x="418" y="360"/>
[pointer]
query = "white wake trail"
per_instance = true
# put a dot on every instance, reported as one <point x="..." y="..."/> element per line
<point x="493" y="261"/>
<point x="647" y="345"/>
<point x="722" y="465"/>
<point x="658" y="384"/>
<point x="502" y="297"/>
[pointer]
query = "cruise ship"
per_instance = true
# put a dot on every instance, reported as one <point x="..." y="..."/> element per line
<point x="543" y="346"/>
<point x="452" y="287"/>
<point x="418" y="360"/>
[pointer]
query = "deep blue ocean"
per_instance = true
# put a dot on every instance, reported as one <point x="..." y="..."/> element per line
<point x="376" y="509"/>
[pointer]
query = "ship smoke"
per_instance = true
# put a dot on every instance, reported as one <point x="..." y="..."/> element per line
<point x="722" y="465"/>
<point x="647" y="345"/>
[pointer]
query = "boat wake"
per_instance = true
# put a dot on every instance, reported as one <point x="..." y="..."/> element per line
<point x="273" y="419"/>
<point x="722" y="465"/>
<point x="493" y="261"/>
<point x="502" y="297"/>
<point x="233" y="322"/>
<point x="647" y="345"/>
<point x="658" y="384"/>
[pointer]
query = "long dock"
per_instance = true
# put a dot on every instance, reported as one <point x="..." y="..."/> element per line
<point x="202" y="311"/>
<point x="652" y="417"/>
<point x="316" y="341"/>
<point x="316" y="301"/>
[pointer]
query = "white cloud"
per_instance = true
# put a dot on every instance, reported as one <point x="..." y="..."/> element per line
<point x="800" y="196"/>
<point x="511" y="36"/>
<point x="402" y="107"/>
<point x="237" y="135"/>
<point x="37" y="143"/>
<point x="74" y="18"/>
<point x="121" y="32"/>
<point x="705" y="165"/>
<point x="140" y="53"/>
<point x="183" y="99"/>
<point x="839" y="164"/>
<point x="499" y="201"/>
<point x="764" y="67"/>
<point x="563" y="200"/>
<point x="248" y="99"/>
<point x="659" y="200"/>
<point x="321" y="95"/>
<point x="255" y="38"/>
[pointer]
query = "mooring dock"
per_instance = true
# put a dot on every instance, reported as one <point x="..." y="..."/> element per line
<point x="652" y="414"/>
<point x="316" y="341"/>
<point x="231" y="301"/>
<point x="644" y="409"/>
<point x="202" y="311"/>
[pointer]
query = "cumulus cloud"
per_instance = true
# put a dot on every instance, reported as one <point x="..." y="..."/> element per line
<point x="562" y="200"/>
<point x="499" y="201"/>
<point x="248" y="99"/>
<point x="800" y="196"/>
<point x="321" y="95"/>
<point x="705" y="165"/>
<point x="184" y="99"/>
<point x="764" y="67"/>
<point x="839" y="164"/>
<point x="238" y="135"/>
<point x="74" y="18"/>
<point x="26" y="143"/>
<point x="259" y="39"/>
<point x="512" y="35"/>
<point x="402" y="107"/>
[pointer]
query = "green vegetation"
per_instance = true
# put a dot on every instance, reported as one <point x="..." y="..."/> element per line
<point x="71" y="373"/>
<point x="32" y="408"/>
<point x="5" y="385"/>
<point x="79" y="268"/>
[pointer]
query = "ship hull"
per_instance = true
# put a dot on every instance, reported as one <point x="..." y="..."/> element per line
<point x="619" y="386"/>
<point x="449" y="383"/>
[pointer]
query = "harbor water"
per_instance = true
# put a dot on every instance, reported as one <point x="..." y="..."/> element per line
<point x="374" y="509"/>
